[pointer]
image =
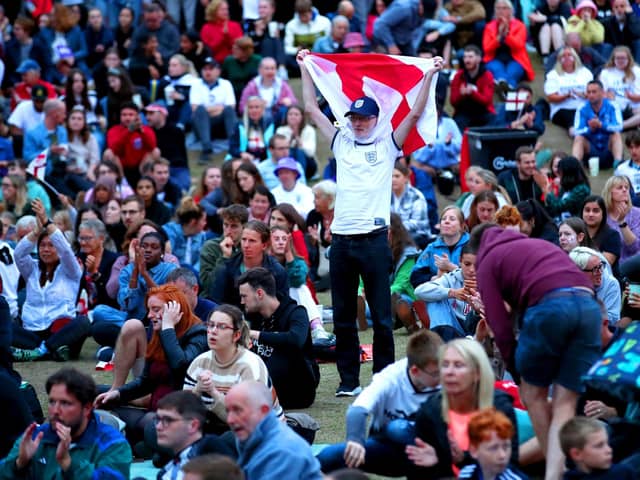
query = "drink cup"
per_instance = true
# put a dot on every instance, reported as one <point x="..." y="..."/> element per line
<point x="594" y="166"/>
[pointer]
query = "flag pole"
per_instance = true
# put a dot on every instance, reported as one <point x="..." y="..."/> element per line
<point x="45" y="183"/>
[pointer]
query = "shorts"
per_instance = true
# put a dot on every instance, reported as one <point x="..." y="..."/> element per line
<point x="559" y="339"/>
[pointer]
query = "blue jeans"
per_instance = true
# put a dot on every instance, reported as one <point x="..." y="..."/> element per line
<point x="351" y="257"/>
<point x="181" y="177"/>
<point x="512" y="72"/>
<point x="206" y="127"/>
<point x="383" y="457"/>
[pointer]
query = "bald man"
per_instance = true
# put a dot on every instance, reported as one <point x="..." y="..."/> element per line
<point x="267" y="447"/>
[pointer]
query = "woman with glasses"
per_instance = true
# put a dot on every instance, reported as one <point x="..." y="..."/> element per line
<point x="177" y="337"/>
<point x="228" y="362"/>
<point x="605" y="284"/>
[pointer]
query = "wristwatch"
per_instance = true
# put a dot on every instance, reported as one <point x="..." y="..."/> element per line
<point x="622" y="225"/>
<point x="47" y="223"/>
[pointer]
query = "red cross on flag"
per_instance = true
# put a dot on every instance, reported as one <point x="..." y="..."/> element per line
<point x="38" y="165"/>
<point x="516" y="101"/>
<point x="392" y="81"/>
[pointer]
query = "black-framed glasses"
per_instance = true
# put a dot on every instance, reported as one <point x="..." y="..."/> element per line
<point x="166" y="421"/>
<point x="221" y="327"/>
<point x="597" y="269"/>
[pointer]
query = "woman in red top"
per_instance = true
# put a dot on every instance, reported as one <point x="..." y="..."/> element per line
<point x="504" y="45"/>
<point x="219" y="32"/>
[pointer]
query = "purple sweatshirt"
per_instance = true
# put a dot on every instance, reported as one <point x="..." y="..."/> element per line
<point x="518" y="270"/>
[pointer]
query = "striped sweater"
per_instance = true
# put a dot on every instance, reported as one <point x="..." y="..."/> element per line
<point x="245" y="365"/>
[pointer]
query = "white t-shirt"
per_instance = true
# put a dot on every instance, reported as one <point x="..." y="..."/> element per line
<point x="301" y="197"/>
<point x="632" y="172"/>
<point x="25" y="116"/>
<point x="567" y="83"/>
<point x="363" y="177"/>
<point x="220" y="94"/>
<point x="613" y="79"/>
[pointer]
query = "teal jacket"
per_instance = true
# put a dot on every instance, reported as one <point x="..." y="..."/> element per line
<point x="101" y="453"/>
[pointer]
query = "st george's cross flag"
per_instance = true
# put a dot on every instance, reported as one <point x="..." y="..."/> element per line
<point x="393" y="81"/>
<point x="38" y="165"/>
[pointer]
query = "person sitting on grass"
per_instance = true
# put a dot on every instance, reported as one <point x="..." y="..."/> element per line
<point x="391" y="400"/>
<point x="585" y="442"/>
<point x="490" y="434"/>
<point x="50" y="325"/>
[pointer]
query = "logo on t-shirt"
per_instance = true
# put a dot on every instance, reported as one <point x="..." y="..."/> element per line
<point x="371" y="157"/>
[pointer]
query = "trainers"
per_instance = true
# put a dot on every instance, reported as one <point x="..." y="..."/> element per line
<point x="26" y="355"/>
<point x="344" y="391"/>
<point x="320" y="337"/>
<point x="104" y="354"/>
<point x="62" y="354"/>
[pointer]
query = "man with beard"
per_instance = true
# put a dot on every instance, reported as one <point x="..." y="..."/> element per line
<point x="74" y="443"/>
<point x="472" y="91"/>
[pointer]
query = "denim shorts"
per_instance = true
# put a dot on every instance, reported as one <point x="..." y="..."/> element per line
<point x="559" y="339"/>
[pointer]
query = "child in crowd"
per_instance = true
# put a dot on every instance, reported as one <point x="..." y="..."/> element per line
<point x="392" y="400"/>
<point x="585" y="442"/>
<point x="490" y="433"/>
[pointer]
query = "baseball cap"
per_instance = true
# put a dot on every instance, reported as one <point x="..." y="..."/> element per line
<point x="288" y="163"/>
<point x="211" y="61"/>
<point x="364" y="106"/>
<point x="156" y="107"/>
<point x="39" y="93"/>
<point x="27" y="65"/>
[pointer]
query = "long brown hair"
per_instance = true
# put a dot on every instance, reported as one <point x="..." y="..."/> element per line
<point x="168" y="293"/>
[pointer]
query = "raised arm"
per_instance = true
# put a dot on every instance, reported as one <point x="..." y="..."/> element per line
<point x="400" y="133"/>
<point x="311" y="102"/>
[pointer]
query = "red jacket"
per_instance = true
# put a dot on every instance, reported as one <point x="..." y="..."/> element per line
<point x="131" y="147"/>
<point x="516" y="40"/>
<point x="220" y="43"/>
<point x="483" y="96"/>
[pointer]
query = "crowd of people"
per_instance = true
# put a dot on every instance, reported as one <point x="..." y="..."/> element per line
<point x="201" y="293"/>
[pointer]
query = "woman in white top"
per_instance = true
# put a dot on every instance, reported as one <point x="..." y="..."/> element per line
<point x="177" y="83"/>
<point x="620" y="78"/>
<point x="565" y="87"/>
<point x="50" y="327"/>
<point x="301" y="135"/>
<point x="84" y="152"/>
<point x="480" y="180"/>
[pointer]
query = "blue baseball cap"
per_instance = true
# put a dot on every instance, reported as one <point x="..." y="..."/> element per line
<point x="365" y="106"/>
<point x="28" y="65"/>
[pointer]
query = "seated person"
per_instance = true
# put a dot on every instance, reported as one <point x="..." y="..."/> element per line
<point x="547" y="26"/>
<point x="214" y="107"/>
<point x="154" y="209"/>
<point x="410" y="205"/>
<point x="280" y="147"/>
<point x="242" y="65"/>
<point x="585" y="442"/>
<point x="565" y="87"/>
<point x="290" y="189"/>
<point x="253" y="247"/>
<point x="597" y="128"/>
<point x="146" y="270"/>
<point x="306" y="26"/>
<point x="268" y="85"/>
<point x="50" y="325"/>
<point x="526" y="116"/>
<point x="589" y="56"/>
<point x="621" y="80"/>
<point x="228" y="362"/>
<point x="167" y="191"/>
<point x="187" y="234"/>
<point x="490" y="433"/>
<point x="30" y="71"/>
<point x="525" y="181"/>
<point x="622" y="28"/>
<point x="392" y="399"/>
<point x="472" y="91"/>
<point x="333" y="43"/>
<point x="130" y="144"/>
<point x="280" y="335"/>
<point x="217" y="250"/>
<point x="74" y="441"/>
<point x="27" y="115"/>
<point x="448" y="298"/>
<point x="251" y="135"/>
<point x="177" y="337"/>
<point x="585" y="23"/>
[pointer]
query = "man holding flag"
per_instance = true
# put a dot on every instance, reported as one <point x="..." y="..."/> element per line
<point x="365" y="150"/>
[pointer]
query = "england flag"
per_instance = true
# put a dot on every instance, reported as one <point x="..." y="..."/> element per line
<point x="392" y="81"/>
<point x="38" y="165"/>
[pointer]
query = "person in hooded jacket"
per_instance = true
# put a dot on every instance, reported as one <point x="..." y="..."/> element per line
<point x="559" y="325"/>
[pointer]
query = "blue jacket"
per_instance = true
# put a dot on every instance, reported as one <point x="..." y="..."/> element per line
<point x="425" y="267"/>
<point x="179" y="244"/>
<point x="100" y="452"/>
<point x="38" y="139"/>
<point x="611" y="119"/>
<point x="397" y="23"/>
<point x="274" y="451"/>
<point x="75" y="41"/>
<point x="132" y="300"/>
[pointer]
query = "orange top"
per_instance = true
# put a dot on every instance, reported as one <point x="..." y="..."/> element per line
<point x="458" y="431"/>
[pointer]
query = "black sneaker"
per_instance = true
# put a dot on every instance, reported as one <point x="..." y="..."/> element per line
<point x="344" y="391"/>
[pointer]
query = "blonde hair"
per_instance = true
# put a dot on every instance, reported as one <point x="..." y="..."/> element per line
<point x="613" y="182"/>
<point x="576" y="60"/>
<point x="326" y="188"/>
<point x="490" y="178"/>
<point x="476" y="358"/>
<point x="185" y="62"/>
<point x="629" y="76"/>
<point x="211" y="12"/>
